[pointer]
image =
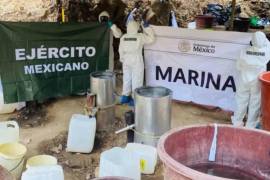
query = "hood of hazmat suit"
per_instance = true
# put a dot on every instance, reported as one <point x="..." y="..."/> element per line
<point x="103" y="17"/>
<point x="133" y="27"/>
<point x="259" y="40"/>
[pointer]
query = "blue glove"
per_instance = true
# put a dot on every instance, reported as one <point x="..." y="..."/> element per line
<point x="109" y="24"/>
<point x="145" y="24"/>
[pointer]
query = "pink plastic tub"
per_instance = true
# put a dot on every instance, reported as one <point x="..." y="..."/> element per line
<point x="244" y="151"/>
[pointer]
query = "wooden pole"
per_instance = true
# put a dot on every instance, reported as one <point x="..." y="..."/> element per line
<point x="232" y="15"/>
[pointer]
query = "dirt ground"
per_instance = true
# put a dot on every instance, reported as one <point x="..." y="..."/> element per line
<point x="49" y="133"/>
<point x="186" y="11"/>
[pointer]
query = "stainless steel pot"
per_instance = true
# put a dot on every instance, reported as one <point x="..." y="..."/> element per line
<point x="152" y="114"/>
<point x="103" y="86"/>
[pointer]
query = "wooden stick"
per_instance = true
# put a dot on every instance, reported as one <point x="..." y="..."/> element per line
<point x="232" y="15"/>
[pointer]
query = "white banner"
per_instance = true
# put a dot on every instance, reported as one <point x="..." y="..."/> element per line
<point x="197" y="65"/>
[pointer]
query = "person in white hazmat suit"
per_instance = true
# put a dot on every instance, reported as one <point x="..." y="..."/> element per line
<point x="130" y="50"/>
<point x="104" y="17"/>
<point x="252" y="62"/>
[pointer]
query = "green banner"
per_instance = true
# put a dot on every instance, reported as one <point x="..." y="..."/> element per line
<point x="43" y="60"/>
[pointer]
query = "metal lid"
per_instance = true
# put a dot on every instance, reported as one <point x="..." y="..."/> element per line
<point x="153" y="92"/>
<point x="103" y="74"/>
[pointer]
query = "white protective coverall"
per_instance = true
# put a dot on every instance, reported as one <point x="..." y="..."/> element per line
<point x="130" y="50"/>
<point x="116" y="32"/>
<point x="251" y="64"/>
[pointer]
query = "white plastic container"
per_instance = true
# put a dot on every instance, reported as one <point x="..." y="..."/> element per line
<point x="119" y="162"/>
<point x="147" y="155"/>
<point x="192" y="25"/>
<point x="54" y="172"/>
<point x="41" y="160"/>
<point x="9" y="132"/>
<point x="12" y="158"/>
<point x="81" y="135"/>
<point x="8" y="108"/>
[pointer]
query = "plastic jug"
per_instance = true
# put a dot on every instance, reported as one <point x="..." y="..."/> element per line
<point x="147" y="155"/>
<point x="54" y="172"/>
<point x="12" y="158"/>
<point x="119" y="162"/>
<point x="41" y="160"/>
<point x="9" y="132"/>
<point x="81" y="135"/>
<point x="8" y="108"/>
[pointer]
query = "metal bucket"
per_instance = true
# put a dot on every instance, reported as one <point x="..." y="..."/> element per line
<point x="103" y="85"/>
<point x="152" y="114"/>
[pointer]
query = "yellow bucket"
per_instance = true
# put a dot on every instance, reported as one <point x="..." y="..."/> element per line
<point x="12" y="158"/>
<point x="41" y="160"/>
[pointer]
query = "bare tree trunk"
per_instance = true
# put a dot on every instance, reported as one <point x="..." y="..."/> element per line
<point x="232" y="15"/>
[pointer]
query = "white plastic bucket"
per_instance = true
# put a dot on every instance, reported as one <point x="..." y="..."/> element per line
<point x="119" y="162"/>
<point x="12" y="158"/>
<point x="81" y="135"/>
<point x="147" y="155"/>
<point x="54" y="172"/>
<point x="41" y="160"/>
<point x="9" y="132"/>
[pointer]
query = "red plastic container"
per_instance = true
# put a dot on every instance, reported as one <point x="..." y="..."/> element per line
<point x="204" y="21"/>
<point x="241" y="149"/>
<point x="265" y="88"/>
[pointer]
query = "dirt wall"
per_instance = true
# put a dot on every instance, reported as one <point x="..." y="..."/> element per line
<point x="186" y="10"/>
<point x="28" y="10"/>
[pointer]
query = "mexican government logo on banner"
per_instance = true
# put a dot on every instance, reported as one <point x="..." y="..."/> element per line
<point x="43" y="60"/>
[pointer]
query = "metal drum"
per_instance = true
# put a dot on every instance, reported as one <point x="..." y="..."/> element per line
<point x="152" y="114"/>
<point x="103" y="85"/>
